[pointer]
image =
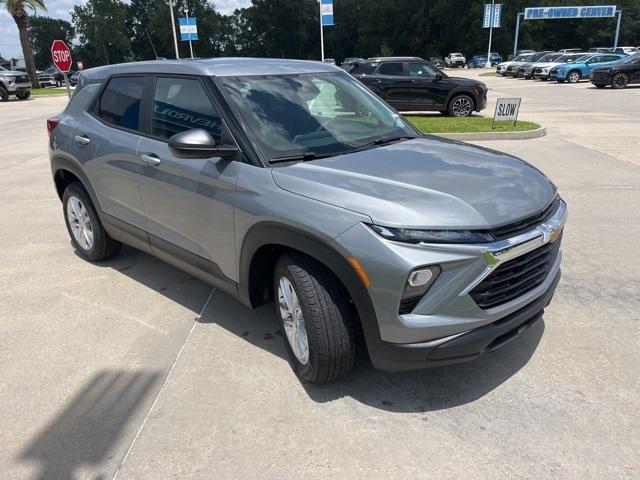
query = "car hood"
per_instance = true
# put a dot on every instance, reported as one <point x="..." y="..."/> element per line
<point x="12" y="74"/>
<point x="465" y="81"/>
<point x="425" y="182"/>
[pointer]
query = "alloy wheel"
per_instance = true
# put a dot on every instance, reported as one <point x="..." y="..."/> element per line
<point x="80" y="223"/>
<point x="293" y="320"/>
<point x="620" y="81"/>
<point x="461" y="107"/>
<point x="574" y="77"/>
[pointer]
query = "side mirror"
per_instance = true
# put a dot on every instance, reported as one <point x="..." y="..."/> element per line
<point x="198" y="143"/>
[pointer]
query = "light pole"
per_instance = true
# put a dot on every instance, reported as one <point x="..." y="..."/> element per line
<point x="491" y="20"/>
<point x="173" y="26"/>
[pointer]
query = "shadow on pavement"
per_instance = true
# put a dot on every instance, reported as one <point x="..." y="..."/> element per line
<point x="84" y="432"/>
<point x="417" y="391"/>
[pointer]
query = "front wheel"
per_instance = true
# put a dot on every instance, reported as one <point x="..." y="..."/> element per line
<point x="316" y="318"/>
<point x="460" y="106"/>
<point x="599" y="85"/>
<point x="4" y="95"/>
<point x="574" y="76"/>
<point x="23" y="95"/>
<point x="85" y="228"/>
<point x="620" y="80"/>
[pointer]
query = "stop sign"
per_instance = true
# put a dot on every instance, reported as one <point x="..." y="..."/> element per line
<point x="61" y="56"/>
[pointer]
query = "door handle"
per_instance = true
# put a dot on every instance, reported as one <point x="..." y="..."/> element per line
<point x="150" y="159"/>
<point x="82" y="140"/>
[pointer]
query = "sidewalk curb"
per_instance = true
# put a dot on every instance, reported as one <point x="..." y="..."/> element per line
<point x="526" y="135"/>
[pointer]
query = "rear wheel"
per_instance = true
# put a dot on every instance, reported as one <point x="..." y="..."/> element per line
<point x="620" y="80"/>
<point x="574" y="76"/>
<point x="4" y="95"/>
<point x="84" y="227"/>
<point x="460" y="106"/>
<point x="316" y="318"/>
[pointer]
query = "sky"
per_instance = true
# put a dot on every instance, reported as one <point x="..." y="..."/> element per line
<point x="10" y="43"/>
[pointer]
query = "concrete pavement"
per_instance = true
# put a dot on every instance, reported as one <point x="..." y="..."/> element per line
<point x="132" y="368"/>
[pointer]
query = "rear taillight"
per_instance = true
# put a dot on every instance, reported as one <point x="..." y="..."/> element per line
<point x="52" y="123"/>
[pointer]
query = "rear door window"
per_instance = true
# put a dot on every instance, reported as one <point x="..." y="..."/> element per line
<point x="121" y="100"/>
<point x="391" y="68"/>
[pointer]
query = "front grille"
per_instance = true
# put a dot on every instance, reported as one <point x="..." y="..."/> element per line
<point x="516" y="277"/>
<point x="537" y="70"/>
<point x="526" y="224"/>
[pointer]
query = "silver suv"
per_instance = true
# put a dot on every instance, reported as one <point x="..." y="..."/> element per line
<point x="289" y="182"/>
<point x="14" y="83"/>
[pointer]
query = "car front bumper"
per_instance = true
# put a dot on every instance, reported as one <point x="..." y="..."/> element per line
<point x="18" y="87"/>
<point x="447" y="325"/>
<point x="557" y="76"/>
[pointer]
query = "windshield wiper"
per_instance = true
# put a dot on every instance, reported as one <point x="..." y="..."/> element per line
<point x="301" y="157"/>
<point x="385" y="141"/>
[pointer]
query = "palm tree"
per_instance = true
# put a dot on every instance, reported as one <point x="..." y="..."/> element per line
<point x="18" y="10"/>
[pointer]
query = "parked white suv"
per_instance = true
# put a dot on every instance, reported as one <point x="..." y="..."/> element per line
<point x="455" y="60"/>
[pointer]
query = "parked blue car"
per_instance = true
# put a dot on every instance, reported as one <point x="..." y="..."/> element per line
<point x="477" y="61"/>
<point x="496" y="58"/>
<point x="581" y="67"/>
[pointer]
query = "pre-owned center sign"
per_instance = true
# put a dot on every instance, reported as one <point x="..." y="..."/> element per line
<point x="550" y="13"/>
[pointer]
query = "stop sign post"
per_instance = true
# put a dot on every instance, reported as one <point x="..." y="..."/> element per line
<point x="61" y="56"/>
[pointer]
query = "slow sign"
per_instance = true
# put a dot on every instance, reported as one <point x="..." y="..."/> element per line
<point x="507" y="110"/>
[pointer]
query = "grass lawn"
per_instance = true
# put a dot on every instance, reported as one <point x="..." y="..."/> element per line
<point x="50" y="91"/>
<point x="442" y="124"/>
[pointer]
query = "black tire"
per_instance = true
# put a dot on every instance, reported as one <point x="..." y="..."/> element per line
<point x="574" y="76"/>
<point x="4" y="95"/>
<point x="599" y="85"/>
<point x="23" y="95"/>
<point x="443" y="112"/>
<point x="560" y="80"/>
<point x="327" y="318"/>
<point x="103" y="246"/>
<point x="620" y="80"/>
<point x="454" y="112"/>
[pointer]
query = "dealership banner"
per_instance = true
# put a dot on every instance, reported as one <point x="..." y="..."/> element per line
<point x="492" y="15"/>
<point x="551" y="13"/>
<point x="326" y="12"/>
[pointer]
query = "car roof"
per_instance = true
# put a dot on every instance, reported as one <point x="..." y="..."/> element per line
<point x="219" y="67"/>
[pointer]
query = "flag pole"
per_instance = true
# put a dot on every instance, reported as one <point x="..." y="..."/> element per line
<point x="321" y="33"/>
<point x="491" y="21"/>
<point x="173" y="26"/>
<point x="189" y="29"/>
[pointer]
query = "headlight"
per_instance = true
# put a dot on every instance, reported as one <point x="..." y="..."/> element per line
<point x="433" y="236"/>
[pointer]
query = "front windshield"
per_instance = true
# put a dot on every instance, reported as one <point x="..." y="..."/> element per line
<point x="311" y="113"/>
<point x="3" y="69"/>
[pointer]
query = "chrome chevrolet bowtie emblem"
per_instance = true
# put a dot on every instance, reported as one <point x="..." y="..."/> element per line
<point x="550" y="233"/>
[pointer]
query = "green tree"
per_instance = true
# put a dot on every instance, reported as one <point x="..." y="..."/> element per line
<point x="18" y="10"/>
<point x="101" y="25"/>
<point x="42" y="32"/>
